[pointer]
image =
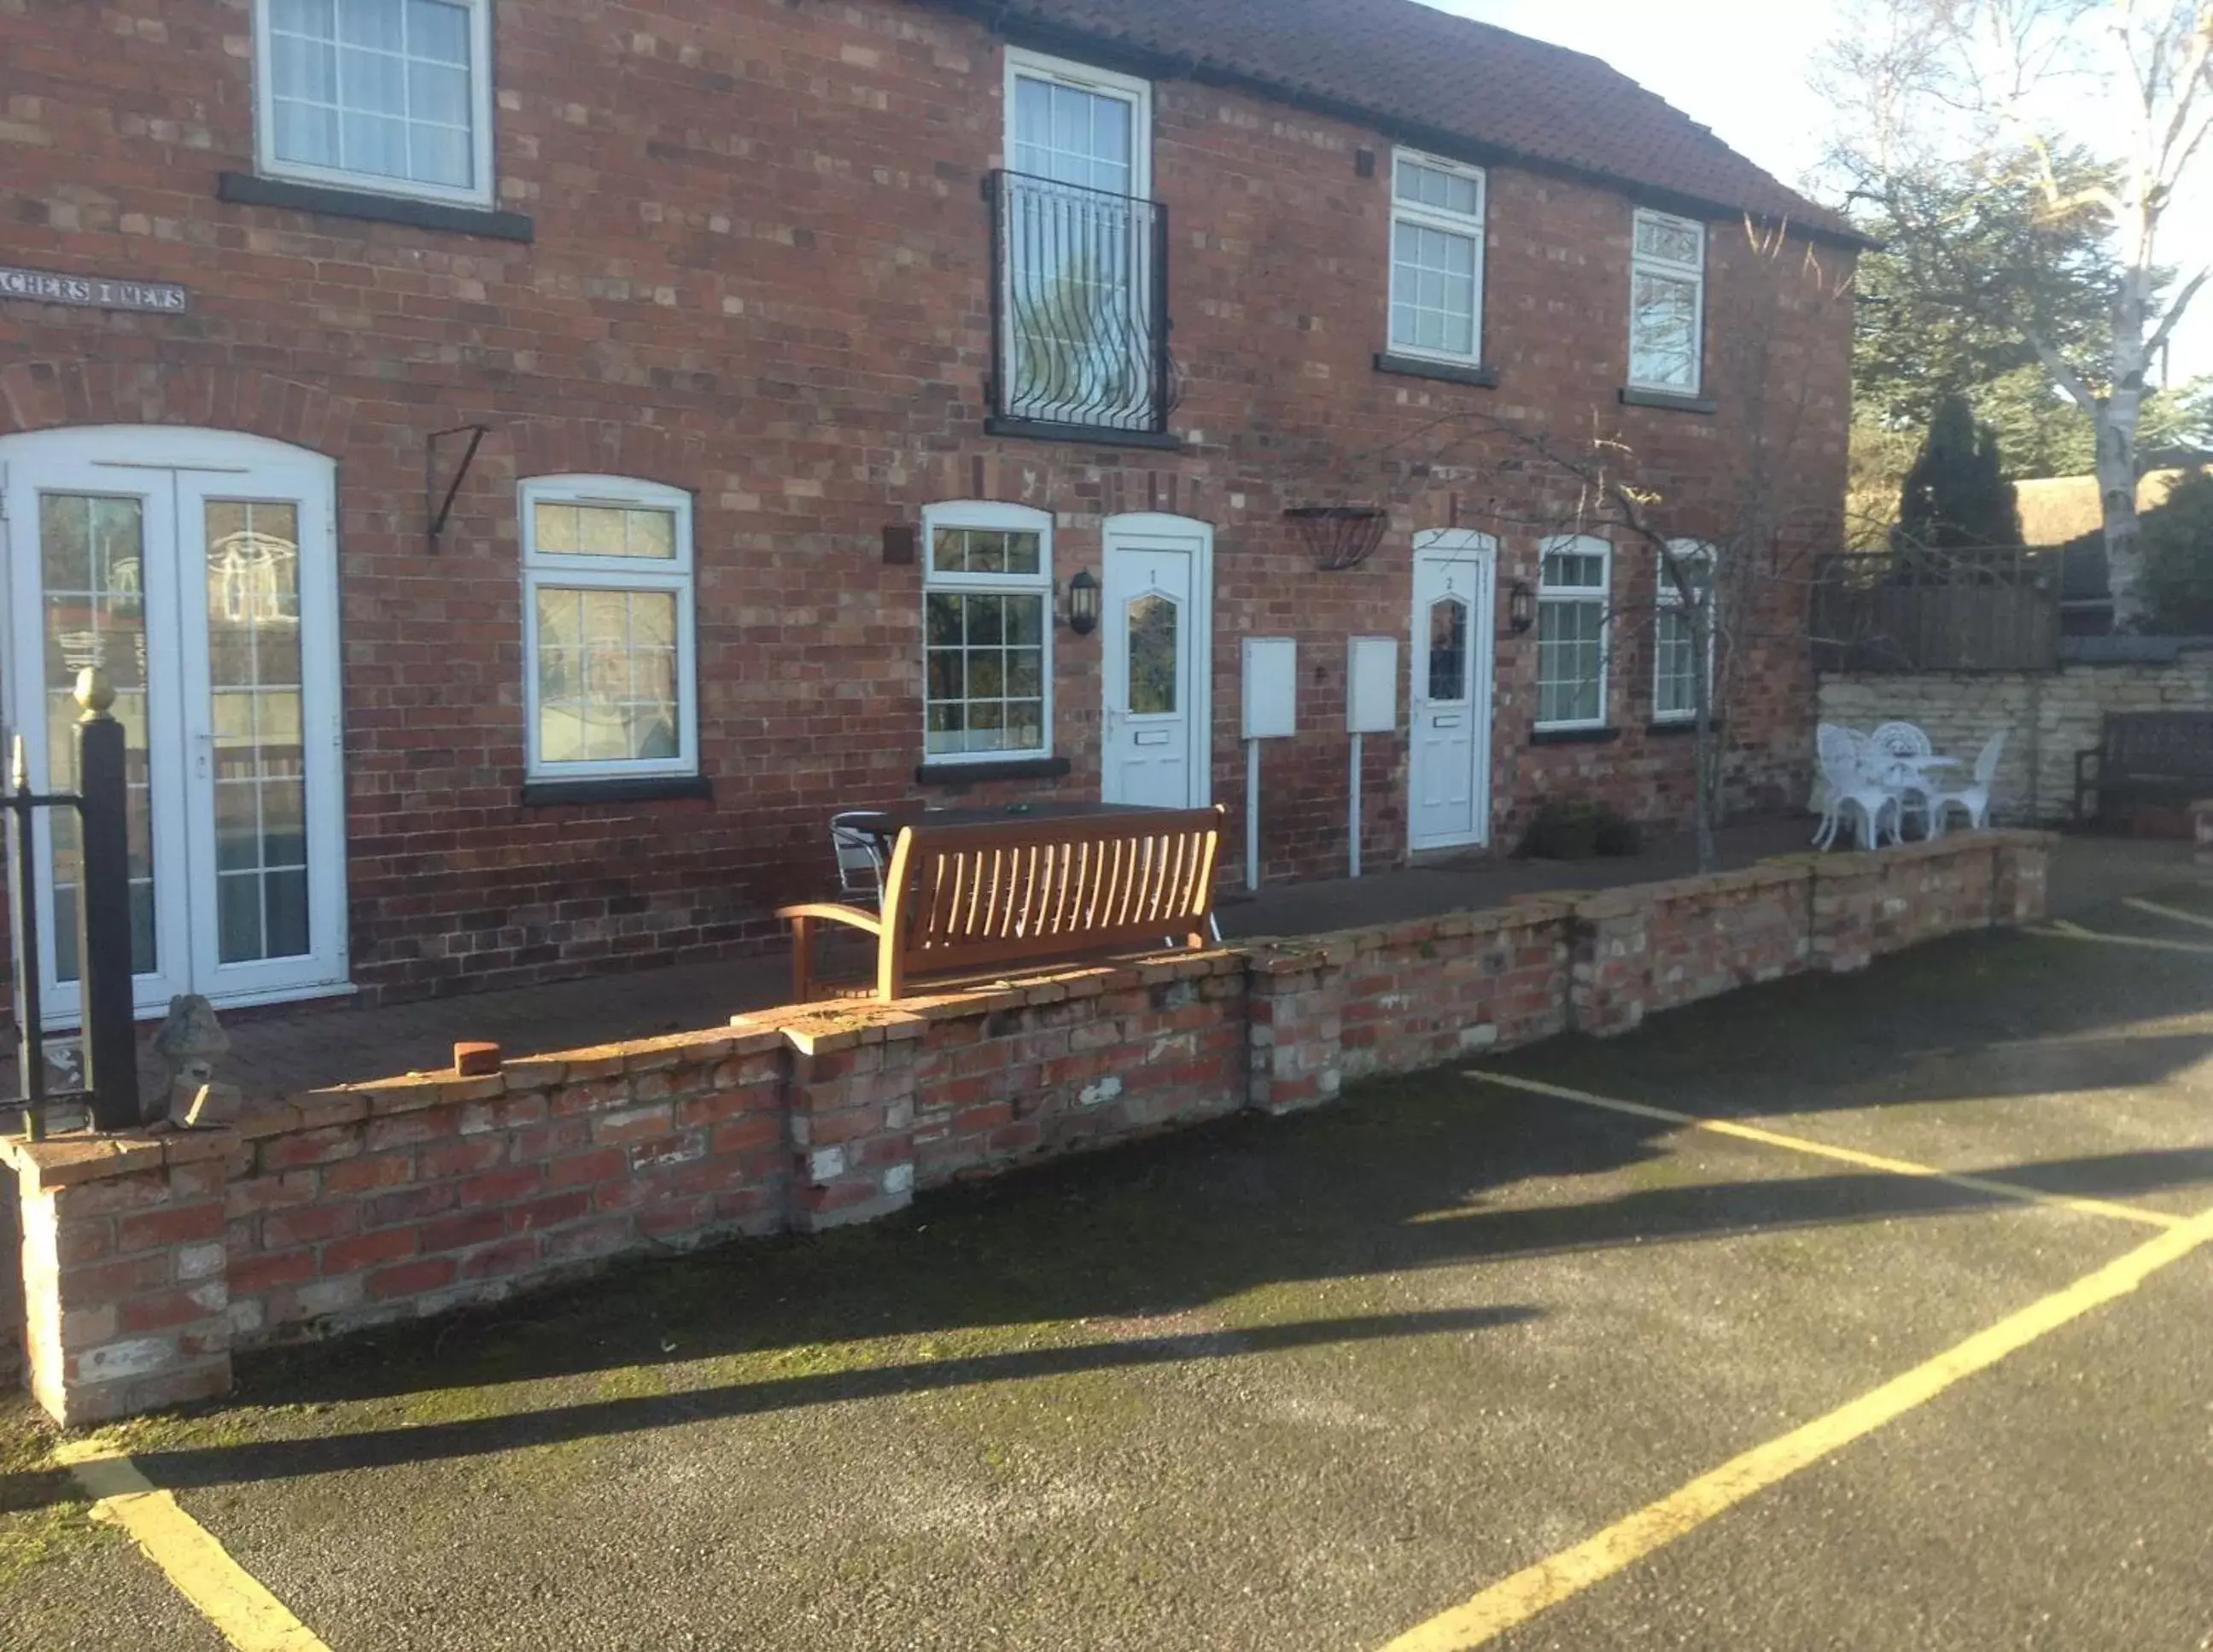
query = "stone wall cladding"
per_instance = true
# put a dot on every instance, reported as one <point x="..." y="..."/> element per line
<point x="2049" y="715"/>
<point x="147" y="1260"/>
<point x="762" y="272"/>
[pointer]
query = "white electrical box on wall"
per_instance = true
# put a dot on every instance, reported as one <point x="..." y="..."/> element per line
<point x="1272" y="688"/>
<point x="1371" y="686"/>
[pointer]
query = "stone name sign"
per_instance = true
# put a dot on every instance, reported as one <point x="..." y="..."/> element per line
<point x="92" y="292"/>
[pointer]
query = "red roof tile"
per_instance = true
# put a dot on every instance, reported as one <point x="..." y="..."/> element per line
<point x="1408" y="66"/>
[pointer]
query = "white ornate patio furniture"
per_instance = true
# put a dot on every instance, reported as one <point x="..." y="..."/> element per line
<point x="1842" y="755"/>
<point x="1974" y="797"/>
<point x="1897" y="755"/>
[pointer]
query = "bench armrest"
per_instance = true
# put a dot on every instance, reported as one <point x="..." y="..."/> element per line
<point x="835" y="913"/>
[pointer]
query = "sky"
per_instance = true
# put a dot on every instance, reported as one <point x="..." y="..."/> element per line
<point x="1740" y="66"/>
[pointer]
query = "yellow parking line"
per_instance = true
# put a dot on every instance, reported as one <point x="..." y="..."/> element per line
<point x="2060" y="929"/>
<point x="2174" y="912"/>
<point x="1844" y="1155"/>
<point x="1516" y="1599"/>
<point x="227" y="1595"/>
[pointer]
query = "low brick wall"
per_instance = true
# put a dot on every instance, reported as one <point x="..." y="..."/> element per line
<point x="148" y="1260"/>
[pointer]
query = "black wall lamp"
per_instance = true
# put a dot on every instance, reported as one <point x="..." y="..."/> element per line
<point x="1083" y="604"/>
<point x="1520" y="607"/>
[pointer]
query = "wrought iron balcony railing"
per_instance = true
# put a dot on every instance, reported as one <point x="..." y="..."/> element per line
<point x="1079" y="308"/>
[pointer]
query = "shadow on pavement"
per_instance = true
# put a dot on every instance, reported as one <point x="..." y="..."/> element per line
<point x="1394" y="1179"/>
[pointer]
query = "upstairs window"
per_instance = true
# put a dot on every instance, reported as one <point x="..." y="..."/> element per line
<point x="391" y="96"/>
<point x="987" y="632"/>
<point x="1573" y="590"/>
<point x="1675" y="637"/>
<point x="1666" y="304"/>
<point x="1437" y="259"/>
<point x="609" y="666"/>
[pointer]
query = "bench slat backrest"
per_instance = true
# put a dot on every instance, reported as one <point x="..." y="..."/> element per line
<point x="2151" y="745"/>
<point x="1006" y="893"/>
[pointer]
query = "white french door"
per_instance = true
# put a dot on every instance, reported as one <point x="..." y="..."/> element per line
<point x="197" y="570"/>
<point x="1449" y="766"/>
<point x="1156" y="614"/>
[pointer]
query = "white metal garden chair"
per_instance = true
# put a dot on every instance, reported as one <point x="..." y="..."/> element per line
<point x="1853" y="791"/>
<point x="1897" y="755"/>
<point x="1974" y="797"/>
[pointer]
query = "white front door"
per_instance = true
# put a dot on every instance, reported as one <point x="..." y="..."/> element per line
<point x="1156" y="618"/>
<point x="197" y="570"/>
<point x="1449" y="769"/>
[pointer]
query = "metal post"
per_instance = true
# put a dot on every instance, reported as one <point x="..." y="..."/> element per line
<point x="1252" y="814"/>
<point x="1356" y="806"/>
<point x="30" y="1032"/>
<point x="103" y="909"/>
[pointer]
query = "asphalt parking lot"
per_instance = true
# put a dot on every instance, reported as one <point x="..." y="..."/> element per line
<point x="1452" y="1362"/>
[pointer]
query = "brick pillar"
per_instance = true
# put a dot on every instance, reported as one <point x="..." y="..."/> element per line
<point x="1610" y="963"/>
<point x="125" y="1273"/>
<point x="850" y="1099"/>
<point x="2022" y="872"/>
<point x="1847" y="891"/>
<point x="1295" y="1001"/>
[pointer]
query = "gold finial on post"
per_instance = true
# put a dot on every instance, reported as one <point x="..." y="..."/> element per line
<point x="94" y="693"/>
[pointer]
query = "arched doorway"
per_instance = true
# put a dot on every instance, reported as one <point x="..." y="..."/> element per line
<point x="197" y="568"/>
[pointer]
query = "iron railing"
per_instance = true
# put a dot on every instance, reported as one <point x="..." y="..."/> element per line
<point x="1981" y="610"/>
<point x="1079" y="328"/>
<point x="108" y="1044"/>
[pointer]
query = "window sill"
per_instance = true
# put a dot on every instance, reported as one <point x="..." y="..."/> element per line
<point x="655" y="788"/>
<point x="246" y="189"/>
<point x="1667" y="400"/>
<point x="1573" y="736"/>
<point x="1095" y="435"/>
<point x="1417" y="367"/>
<point x="1014" y="768"/>
<point x="1661" y="728"/>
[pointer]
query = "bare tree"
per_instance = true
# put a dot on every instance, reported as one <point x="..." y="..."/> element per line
<point x="2130" y="82"/>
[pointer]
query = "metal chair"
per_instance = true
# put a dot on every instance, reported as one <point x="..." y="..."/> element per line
<point x="860" y="860"/>
<point x="1893" y="760"/>
<point x="1844" y="760"/>
<point x="1974" y="797"/>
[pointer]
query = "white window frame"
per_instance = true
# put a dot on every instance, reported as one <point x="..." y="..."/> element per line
<point x="1669" y="600"/>
<point x="481" y="103"/>
<point x="1474" y="228"/>
<point x="992" y="516"/>
<point x="1139" y="94"/>
<point x="611" y="574"/>
<point x="1695" y="273"/>
<point x="1599" y="596"/>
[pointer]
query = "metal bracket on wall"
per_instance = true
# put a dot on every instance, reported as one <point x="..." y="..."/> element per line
<point x="435" y="515"/>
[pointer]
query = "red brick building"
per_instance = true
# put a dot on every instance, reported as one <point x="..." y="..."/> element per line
<point x="526" y="464"/>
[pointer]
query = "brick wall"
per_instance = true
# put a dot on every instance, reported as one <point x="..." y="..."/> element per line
<point x="761" y="274"/>
<point x="146" y="1260"/>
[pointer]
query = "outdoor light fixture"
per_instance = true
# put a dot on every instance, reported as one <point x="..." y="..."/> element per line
<point x="1520" y="607"/>
<point x="1083" y="603"/>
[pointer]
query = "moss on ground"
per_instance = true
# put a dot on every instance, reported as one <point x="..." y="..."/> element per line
<point x="43" y="1516"/>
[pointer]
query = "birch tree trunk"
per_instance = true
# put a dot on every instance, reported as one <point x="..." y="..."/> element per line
<point x="2116" y="415"/>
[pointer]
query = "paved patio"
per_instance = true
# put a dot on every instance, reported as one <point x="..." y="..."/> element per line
<point x="275" y="1053"/>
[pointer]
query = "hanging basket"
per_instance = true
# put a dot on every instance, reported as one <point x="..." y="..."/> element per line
<point x="1339" y="536"/>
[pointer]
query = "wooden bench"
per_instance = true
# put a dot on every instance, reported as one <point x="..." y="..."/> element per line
<point x="966" y="900"/>
<point x="2159" y="758"/>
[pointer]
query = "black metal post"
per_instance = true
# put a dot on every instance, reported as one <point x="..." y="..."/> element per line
<point x="30" y="1032"/>
<point x="103" y="909"/>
